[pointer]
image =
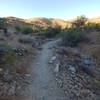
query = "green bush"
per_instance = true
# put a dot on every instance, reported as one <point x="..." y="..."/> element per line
<point x="36" y="28"/>
<point x="18" y="28"/>
<point x="51" y="32"/>
<point x="44" y="28"/>
<point x="7" y="55"/>
<point x="73" y="36"/>
<point x="24" y="30"/>
<point x="27" y="30"/>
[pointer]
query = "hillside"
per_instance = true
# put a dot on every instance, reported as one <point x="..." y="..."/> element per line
<point x="38" y="21"/>
<point x="42" y="21"/>
<point x="48" y="21"/>
<point x="94" y="20"/>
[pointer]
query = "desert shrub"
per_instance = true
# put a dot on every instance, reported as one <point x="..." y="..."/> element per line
<point x="35" y="28"/>
<point x="45" y="28"/>
<point x="7" y="55"/>
<point x="40" y="28"/>
<point x="51" y="32"/>
<point x="94" y="84"/>
<point x="73" y="36"/>
<point x="18" y="28"/>
<point x="3" y="23"/>
<point x="27" y="30"/>
<point x="91" y="27"/>
<point x="97" y="27"/>
<point x="24" y="30"/>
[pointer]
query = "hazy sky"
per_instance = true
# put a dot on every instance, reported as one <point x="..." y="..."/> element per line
<point x="49" y="8"/>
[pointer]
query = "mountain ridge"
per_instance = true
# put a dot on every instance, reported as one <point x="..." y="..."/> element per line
<point x="47" y="21"/>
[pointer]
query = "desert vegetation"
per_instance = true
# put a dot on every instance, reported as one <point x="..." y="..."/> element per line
<point x="73" y="36"/>
<point x="51" y="32"/>
<point x="7" y="54"/>
<point x="74" y="56"/>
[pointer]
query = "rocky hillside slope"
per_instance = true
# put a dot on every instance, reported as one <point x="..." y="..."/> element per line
<point x="46" y="21"/>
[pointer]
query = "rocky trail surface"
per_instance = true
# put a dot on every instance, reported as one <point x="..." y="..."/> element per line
<point x="44" y="86"/>
<point x="56" y="73"/>
<point x="53" y="81"/>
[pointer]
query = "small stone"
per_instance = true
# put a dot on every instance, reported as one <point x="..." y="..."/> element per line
<point x="56" y="70"/>
<point x="27" y="75"/>
<point x="87" y="62"/>
<point x="72" y="69"/>
<point x="11" y="91"/>
<point x="52" y="59"/>
<point x="60" y="83"/>
<point x="1" y="69"/>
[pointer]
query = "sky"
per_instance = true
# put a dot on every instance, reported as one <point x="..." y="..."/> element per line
<point x="65" y="9"/>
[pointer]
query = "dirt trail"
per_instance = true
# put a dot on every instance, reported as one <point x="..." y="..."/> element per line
<point x="44" y="86"/>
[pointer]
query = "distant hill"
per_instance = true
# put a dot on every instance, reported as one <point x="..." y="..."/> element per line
<point x="94" y="20"/>
<point x="57" y="22"/>
<point x="48" y="21"/>
<point x="42" y="21"/>
<point x="14" y="21"/>
<point x="38" y="21"/>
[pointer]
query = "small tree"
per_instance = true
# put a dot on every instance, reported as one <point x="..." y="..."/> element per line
<point x="80" y="21"/>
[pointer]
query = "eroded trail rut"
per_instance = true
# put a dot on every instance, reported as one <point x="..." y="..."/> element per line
<point x="44" y="86"/>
